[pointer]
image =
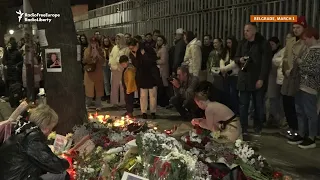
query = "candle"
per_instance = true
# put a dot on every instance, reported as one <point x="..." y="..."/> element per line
<point x="90" y="117"/>
<point x="100" y="118"/>
<point x="107" y="116"/>
<point x="155" y="128"/>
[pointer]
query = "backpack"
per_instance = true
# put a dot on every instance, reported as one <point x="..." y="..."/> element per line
<point x="15" y="94"/>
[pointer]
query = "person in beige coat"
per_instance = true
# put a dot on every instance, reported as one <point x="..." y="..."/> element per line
<point x="193" y="56"/>
<point x="163" y="65"/>
<point x="93" y="81"/>
<point x="116" y="70"/>
<point x="294" y="49"/>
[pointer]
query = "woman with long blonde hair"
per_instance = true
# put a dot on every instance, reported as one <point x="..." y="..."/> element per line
<point x="93" y="76"/>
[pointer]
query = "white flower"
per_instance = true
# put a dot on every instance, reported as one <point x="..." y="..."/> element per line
<point x="238" y="143"/>
<point x="252" y="161"/>
<point x="139" y="160"/>
<point x="262" y="164"/>
<point x="208" y="160"/>
<point x="260" y="158"/>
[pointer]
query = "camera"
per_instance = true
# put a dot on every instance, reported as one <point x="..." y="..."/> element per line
<point x="244" y="67"/>
<point x="171" y="78"/>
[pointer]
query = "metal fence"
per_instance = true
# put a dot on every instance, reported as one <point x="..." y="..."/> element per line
<point x="219" y="18"/>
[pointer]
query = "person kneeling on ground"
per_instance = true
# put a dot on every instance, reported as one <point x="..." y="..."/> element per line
<point x="184" y="85"/>
<point x="219" y="118"/>
<point x="25" y="155"/>
<point x="129" y="83"/>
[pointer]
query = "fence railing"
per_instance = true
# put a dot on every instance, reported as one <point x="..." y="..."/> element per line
<point x="220" y="18"/>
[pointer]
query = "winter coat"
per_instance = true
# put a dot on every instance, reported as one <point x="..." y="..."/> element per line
<point x="26" y="156"/>
<point x="117" y="52"/>
<point x="107" y="51"/>
<point x="294" y="49"/>
<point x="309" y="70"/>
<point x="163" y="64"/>
<point x="193" y="57"/>
<point x="205" y="55"/>
<point x="13" y="61"/>
<point x="179" y="52"/>
<point x="259" y="63"/>
<point x="129" y="79"/>
<point x="277" y="61"/>
<point x="273" y="87"/>
<point x="93" y="81"/>
<point x="228" y="65"/>
<point x="148" y="74"/>
<point x="213" y="70"/>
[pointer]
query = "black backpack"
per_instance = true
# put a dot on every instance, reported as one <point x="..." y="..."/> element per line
<point x="15" y="94"/>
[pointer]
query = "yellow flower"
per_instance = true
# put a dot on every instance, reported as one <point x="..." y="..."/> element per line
<point x="69" y="135"/>
<point x="99" y="149"/>
<point x="52" y="135"/>
<point x="215" y="134"/>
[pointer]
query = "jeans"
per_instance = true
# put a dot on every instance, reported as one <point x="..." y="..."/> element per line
<point x="107" y="80"/>
<point x="129" y="99"/>
<point x="97" y="102"/>
<point x="306" y="109"/>
<point x="258" y="103"/>
<point x="290" y="112"/>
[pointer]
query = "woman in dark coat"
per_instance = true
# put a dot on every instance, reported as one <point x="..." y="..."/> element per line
<point x="147" y="75"/>
<point x="26" y="156"/>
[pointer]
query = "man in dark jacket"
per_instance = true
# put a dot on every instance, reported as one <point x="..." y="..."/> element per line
<point x="254" y="56"/>
<point x="147" y="75"/>
<point x="206" y="48"/>
<point x="179" y="50"/>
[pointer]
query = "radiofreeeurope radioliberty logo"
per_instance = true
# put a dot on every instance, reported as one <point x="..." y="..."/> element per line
<point x="36" y="17"/>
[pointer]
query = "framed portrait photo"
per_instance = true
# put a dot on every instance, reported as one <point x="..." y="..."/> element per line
<point x="53" y="60"/>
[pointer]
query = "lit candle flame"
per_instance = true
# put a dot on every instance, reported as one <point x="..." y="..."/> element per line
<point x="122" y="118"/>
<point x="155" y="128"/>
<point x="100" y="118"/>
<point x="90" y="116"/>
<point x="107" y="116"/>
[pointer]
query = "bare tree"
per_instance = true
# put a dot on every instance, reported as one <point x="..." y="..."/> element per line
<point x="65" y="90"/>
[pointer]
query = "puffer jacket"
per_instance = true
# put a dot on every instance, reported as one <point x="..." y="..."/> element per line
<point x="193" y="57"/>
<point x="26" y="156"/>
<point x="277" y="61"/>
<point x="117" y="51"/>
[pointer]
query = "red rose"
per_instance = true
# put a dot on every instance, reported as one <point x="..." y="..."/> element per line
<point x="277" y="175"/>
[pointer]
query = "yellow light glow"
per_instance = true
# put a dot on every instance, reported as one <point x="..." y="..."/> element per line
<point x="122" y="118"/>
<point x="90" y="117"/>
<point x="107" y="116"/>
<point x="119" y="123"/>
<point x="100" y="118"/>
<point x="155" y="128"/>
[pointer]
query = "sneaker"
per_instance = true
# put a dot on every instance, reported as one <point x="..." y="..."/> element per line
<point x="295" y="140"/>
<point x="307" y="144"/>
<point x="153" y="116"/>
<point x="144" y="116"/>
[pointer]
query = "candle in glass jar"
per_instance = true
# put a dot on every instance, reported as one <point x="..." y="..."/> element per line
<point x="90" y="117"/>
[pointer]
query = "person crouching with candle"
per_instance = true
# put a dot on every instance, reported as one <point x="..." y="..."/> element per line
<point x="128" y="83"/>
<point x="25" y="155"/>
<point x="218" y="117"/>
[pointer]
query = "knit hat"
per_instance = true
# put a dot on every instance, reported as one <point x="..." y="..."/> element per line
<point x="302" y="21"/>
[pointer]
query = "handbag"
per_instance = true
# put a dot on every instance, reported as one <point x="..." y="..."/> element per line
<point x="90" y="67"/>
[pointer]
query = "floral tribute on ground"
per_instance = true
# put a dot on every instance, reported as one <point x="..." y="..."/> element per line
<point x="106" y="147"/>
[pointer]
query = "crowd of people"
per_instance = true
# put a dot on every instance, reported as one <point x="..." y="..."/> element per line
<point x="246" y="76"/>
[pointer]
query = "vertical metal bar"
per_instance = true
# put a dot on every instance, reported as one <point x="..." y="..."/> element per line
<point x="238" y="21"/>
<point x="308" y="3"/>
<point x="267" y="33"/>
<point x="216" y="24"/>
<point x="300" y="7"/>
<point x="316" y="14"/>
